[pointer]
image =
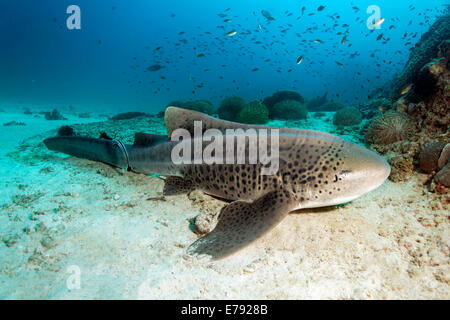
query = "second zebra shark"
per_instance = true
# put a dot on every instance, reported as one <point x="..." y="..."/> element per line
<point x="316" y="169"/>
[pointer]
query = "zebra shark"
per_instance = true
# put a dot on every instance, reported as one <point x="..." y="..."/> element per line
<point x="316" y="169"/>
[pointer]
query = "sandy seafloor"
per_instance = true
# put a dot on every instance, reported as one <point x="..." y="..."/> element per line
<point x="58" y="211"/>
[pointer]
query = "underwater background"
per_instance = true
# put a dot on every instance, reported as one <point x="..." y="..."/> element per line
<point x="104" y="65"/>
<point x="71" y="228"/>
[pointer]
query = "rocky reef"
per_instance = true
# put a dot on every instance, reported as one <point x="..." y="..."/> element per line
<point x="413" y="131"/>
<point x="423" y="52"/>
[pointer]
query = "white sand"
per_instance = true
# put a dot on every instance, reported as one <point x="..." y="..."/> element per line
<point x="390" y="244"/>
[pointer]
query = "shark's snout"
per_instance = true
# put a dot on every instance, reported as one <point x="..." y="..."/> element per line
<point x="366" y="169"/>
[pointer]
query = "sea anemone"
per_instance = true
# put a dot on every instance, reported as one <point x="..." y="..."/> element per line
<point x="390" y="127"/>
<point x="289" y="110"/>
<point x="347" y="117"/>
<point x="230" y="108"/>
<point x="254" y="113"/>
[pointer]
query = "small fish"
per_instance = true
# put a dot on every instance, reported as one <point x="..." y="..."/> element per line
<point x="321" y="8"/>
<point x="381" y="109"/>
<point x="227" y="20"/>
<point x="339" y="64"/>
<point x="318" y="41"/>
<point x="406" y="89"/>
<point x="344" y="39"/>
<point x="300" y="59"/>
<point x="231" y="33"/>
<point x="255" y="69"/>
<point x="155" y="67"/>
<point x="267" y="15"/>
<point x="378" y="22"/>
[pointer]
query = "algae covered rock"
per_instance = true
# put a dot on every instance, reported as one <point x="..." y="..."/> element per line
<point x="203" y="106"/>
<point x="429" y="156"/>
<point x="280" y="96"/>
<point x="443" y="176"/>
<point x="230" y="108"/>
<point x="254" y="113"/>
<point x="54" y="115"/>
<point x="347" y="117"/>
<point x="200" y="106"/>
<point x="289" y="110"/>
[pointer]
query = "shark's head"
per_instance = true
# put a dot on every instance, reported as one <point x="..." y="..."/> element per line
<point x="354" y="172"/>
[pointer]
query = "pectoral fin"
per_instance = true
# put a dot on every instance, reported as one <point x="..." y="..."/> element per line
<point x="240" y="223"/>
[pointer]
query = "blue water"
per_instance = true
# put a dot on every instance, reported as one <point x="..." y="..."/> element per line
<point x="102" y="67"/>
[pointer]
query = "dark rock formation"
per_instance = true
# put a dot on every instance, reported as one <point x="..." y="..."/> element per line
<point x="54" y="115"/>
<point x="128" y="115"/>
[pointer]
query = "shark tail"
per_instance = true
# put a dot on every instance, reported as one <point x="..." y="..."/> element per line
<point x="112" y="152"/>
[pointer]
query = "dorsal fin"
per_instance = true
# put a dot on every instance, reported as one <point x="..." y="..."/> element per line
<point x="178" y="118"/>
<point x="147" y="139"/>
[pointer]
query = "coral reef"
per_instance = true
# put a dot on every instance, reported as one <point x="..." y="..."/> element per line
<point x="289" y="110"/>
<point x="424" y="51"/>
<point x="430" y="107"/>
<point x="254" y="113"/>
<point x="54" y="115"/>
<point x="347" y="117"/>
<point x="280" y="96"/>
<point x="372" y="107"/>
<point x="128" y="115"/>
<point x="388" y="128"/>
<point x="230" y="108"/>
<point x="401" y="167"/>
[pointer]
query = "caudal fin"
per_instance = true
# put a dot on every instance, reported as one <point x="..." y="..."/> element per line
<point x="102" y="150"/>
